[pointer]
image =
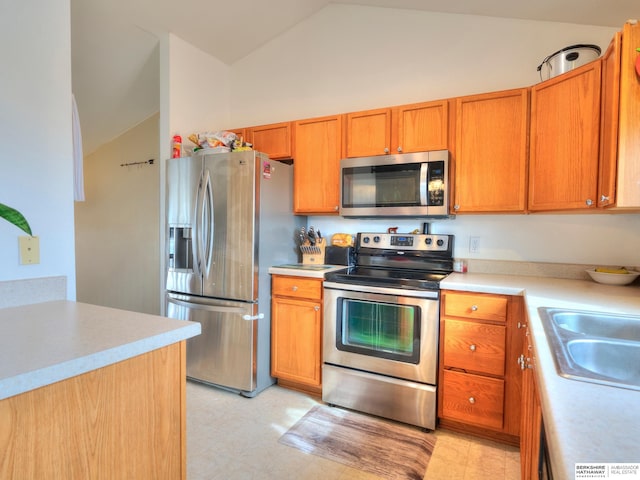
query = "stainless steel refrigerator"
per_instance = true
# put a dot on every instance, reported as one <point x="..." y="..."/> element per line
<point x="229" y="218"/>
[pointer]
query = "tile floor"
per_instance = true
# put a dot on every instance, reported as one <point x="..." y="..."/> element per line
<point x="235" y="438"/>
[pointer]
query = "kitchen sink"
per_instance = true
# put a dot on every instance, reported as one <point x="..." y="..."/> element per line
<point x="594" y="347"/>
<point x="597" y="324"/>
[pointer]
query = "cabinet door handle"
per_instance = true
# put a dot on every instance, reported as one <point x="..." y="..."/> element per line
<point x="522" y="325"/>
<point x="472" y="400"/>
<point x="604" y="198"/>
<point x="316" y="308"/>
<point x="399" y="149"/>
<point x="456" y="207"/>
<point x="386" y="150"/>
<point x="589" y="202"/>
<point x="472" y="347"/>
<point x="474" y="308"/>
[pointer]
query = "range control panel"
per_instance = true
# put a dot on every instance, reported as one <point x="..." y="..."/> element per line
<point x="406" y="242"/>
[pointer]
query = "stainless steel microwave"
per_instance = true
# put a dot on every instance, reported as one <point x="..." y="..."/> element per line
<point x="402" y="185"/>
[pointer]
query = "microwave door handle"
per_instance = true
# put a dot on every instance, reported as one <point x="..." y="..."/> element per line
<point x="424" y="173"/>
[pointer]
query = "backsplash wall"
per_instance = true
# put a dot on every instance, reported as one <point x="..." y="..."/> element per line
<point x="607" y="239"/>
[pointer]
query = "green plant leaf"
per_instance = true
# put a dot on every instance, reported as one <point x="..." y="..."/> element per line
<point x="15" y="217"/>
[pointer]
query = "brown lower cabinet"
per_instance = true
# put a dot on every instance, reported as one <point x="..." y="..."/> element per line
<point x="480" y="381"/>
<point x="531" y="426"/>
<point x="125" y="420"/>
<point x="296" y="332"/>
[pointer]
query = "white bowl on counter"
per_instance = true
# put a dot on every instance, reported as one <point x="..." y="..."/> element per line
<point x="613" y="278"/>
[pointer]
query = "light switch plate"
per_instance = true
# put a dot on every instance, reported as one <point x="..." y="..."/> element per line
<point x="29" y="250"/>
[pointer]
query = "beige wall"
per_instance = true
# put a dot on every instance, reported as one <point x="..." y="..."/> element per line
<point x="117" y="227"/>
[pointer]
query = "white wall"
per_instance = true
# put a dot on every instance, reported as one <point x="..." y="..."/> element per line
<point x="194" y="89"/>
<point x="117" y="231"/>
<point x="35" y="134"/>
<point x="194" y="97"/>
<point x="347" y="58"/>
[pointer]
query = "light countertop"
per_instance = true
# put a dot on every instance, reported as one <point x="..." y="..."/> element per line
<point x="301" y="270"/>
<point x="43" y="343"/>
<point x="585" y="422"/>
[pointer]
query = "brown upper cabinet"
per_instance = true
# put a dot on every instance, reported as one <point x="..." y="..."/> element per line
<point x="276" y="140"/>
<point x="415" y="127"/>
<point x="368" y="133"/>
<point x="609" y="110"/>
<point x="565" y="133"/>
<point x="627" y="194"/>
<point x="420" y="127"/>
<point x="490" y="168"/>
<point x="318" y="149"/>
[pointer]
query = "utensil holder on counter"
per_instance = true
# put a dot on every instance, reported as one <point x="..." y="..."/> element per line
<point x="313" y="254"/>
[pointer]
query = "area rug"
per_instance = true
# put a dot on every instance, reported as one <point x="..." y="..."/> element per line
<point x="387" y="449"/>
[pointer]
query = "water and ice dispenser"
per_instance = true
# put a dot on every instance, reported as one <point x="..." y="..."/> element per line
<point x="180" y="248"/>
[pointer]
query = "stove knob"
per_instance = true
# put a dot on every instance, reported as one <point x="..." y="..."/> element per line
<point x="428" y="241"/>
<point x="365" y="240"/>
<point x="440" y="242"/>
<point x="376" y="239"/>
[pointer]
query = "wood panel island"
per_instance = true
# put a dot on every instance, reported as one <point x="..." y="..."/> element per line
<point x="89" y="392"/>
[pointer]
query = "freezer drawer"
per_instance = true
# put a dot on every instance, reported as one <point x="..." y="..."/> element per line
<point x="224" y="353"/>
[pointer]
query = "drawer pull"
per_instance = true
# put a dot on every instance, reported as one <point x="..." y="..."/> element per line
<point x="472" y="347"/>
<point x="294" y="288"/>
<point x="474" y="308"/>
<point x="472" y="400"/>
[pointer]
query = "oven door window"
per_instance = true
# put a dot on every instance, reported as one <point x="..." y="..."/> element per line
<point x="384" y="330"/>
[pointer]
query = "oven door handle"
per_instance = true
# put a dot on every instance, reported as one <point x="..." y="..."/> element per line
<point x="382" y="290"/>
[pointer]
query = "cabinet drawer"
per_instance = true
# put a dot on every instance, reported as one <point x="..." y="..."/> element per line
<point x="298" y="287"/>
<point x="475" y="346"/>
<point x="473" y="399"/>
<point x="485" y="307"/>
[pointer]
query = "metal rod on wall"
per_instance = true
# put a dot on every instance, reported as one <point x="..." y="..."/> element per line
<point x="150" y="162"/>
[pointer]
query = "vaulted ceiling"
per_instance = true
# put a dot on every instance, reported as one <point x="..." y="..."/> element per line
<point x="114" y="43"/>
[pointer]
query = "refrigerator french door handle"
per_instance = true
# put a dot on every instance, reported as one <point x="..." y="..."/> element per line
<point x="201" y="227"/>
<point x="197" y="227"/>
<point x="201" y="306"/>
<point x="208" y="222"/>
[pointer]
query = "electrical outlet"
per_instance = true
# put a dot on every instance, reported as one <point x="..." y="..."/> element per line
<point x="474" y="244"/>
<point x="29" y="250"/>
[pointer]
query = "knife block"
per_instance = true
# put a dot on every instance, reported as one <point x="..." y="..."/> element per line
<point x="313" y="254"/>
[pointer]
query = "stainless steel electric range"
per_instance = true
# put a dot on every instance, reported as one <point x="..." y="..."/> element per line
<point x="381" y="327"/>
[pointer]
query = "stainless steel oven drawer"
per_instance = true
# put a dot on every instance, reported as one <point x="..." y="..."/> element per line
<point x="401" y="400"/>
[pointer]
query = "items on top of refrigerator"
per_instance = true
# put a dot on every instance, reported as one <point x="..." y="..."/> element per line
<point x="177" y="146"/>
<point x="220" y="141"/>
